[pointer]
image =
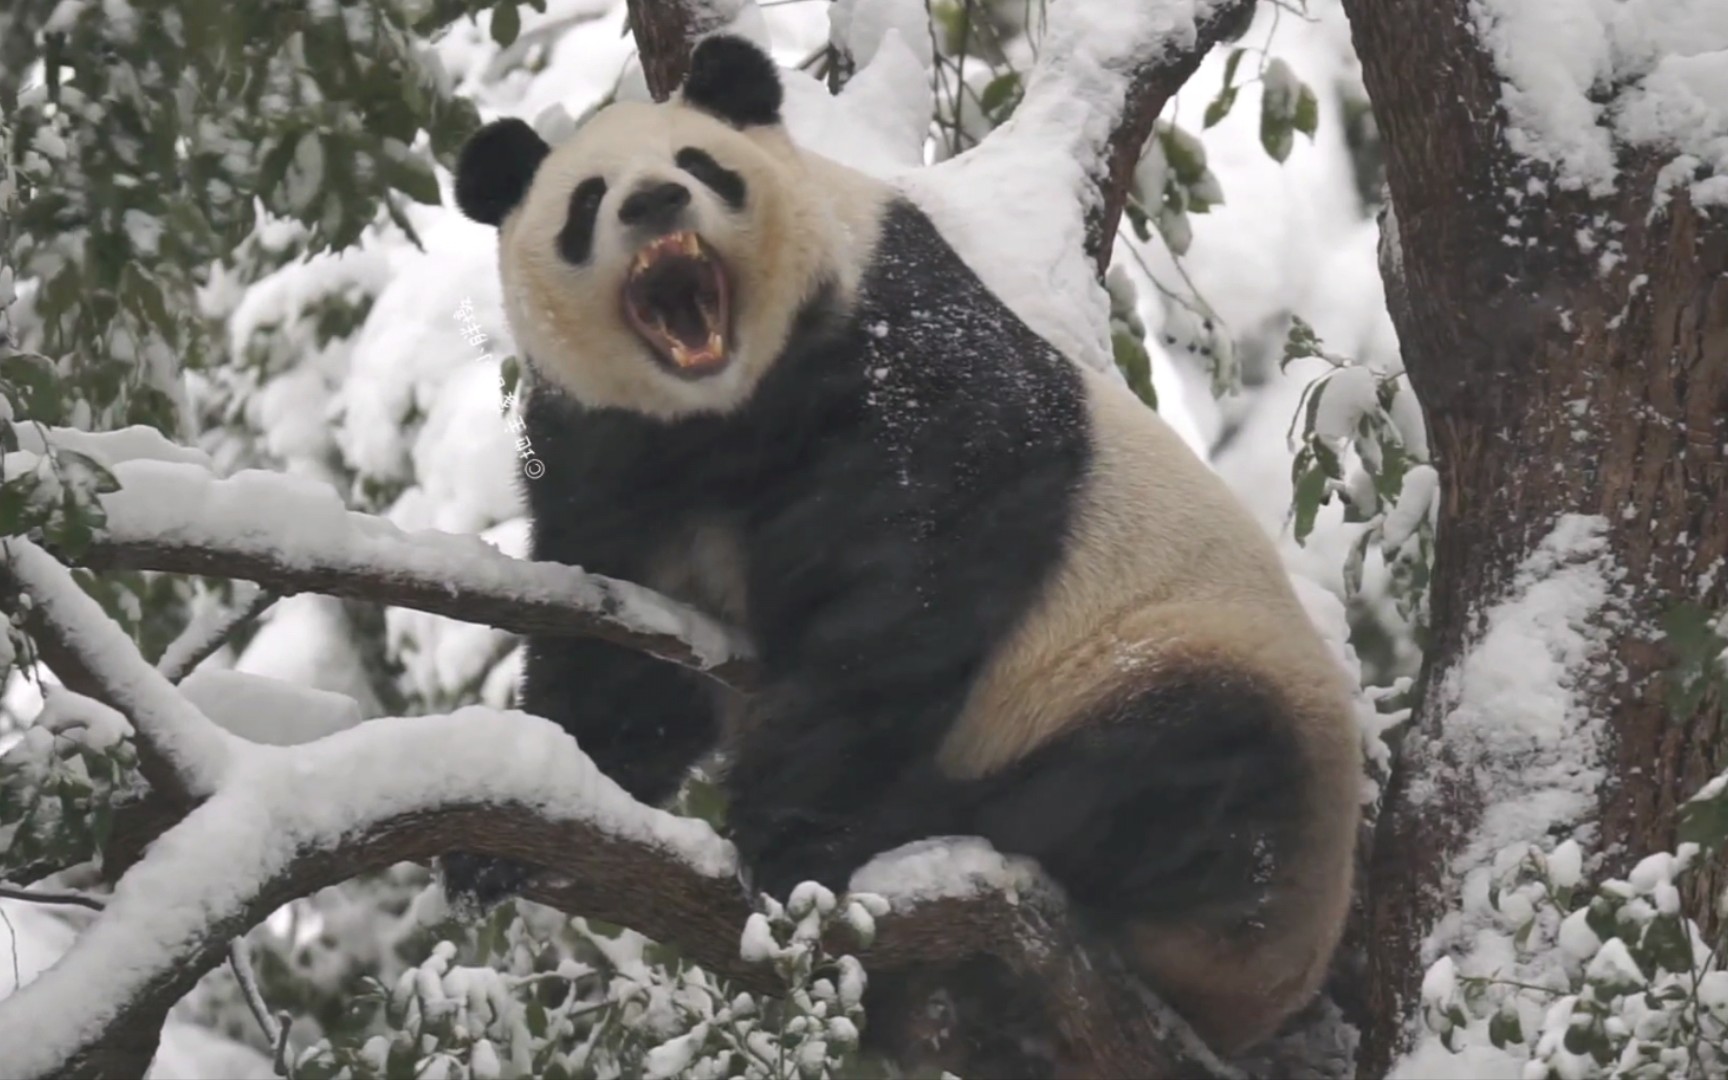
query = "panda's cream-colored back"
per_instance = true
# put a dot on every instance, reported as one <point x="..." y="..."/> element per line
<point x="1166" y="576"/>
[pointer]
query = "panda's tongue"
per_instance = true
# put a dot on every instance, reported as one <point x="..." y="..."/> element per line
<point x="676" y="299"/>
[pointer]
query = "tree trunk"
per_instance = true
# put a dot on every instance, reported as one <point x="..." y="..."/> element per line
<point x="1554" y="381"/>
<point x="664" y="30"/>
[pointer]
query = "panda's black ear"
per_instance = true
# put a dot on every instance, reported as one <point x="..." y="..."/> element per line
<point x="497" y="165"/>
<point x="735" y="80"/>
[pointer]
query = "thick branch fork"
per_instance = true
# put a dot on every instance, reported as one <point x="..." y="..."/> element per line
<point x="515" y="786"/>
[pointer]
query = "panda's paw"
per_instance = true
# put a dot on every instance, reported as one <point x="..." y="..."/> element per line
<point x="786" y="868"/>
<point x="474" y="884"/>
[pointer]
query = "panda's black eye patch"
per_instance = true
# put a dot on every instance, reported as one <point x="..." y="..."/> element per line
<point x="724" y="182"/>
<point x="576" y="239"/>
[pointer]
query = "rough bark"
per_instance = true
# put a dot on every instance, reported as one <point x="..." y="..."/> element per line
<point x="664" y="30"/>
<point x="1552" y="383"/>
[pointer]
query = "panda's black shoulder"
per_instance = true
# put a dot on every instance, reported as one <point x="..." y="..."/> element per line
<point x="933" y="327"/>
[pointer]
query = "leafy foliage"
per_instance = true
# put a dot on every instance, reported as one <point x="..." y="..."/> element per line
<point x="63" y="783"/>
<point x="1355" y="444"/>
<point x="1613" y="982"/>
<point x="582" y="999"/>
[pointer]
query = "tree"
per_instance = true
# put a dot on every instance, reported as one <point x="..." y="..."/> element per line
<point x="1560" y="307"/>
<point x="1565" y="324"/>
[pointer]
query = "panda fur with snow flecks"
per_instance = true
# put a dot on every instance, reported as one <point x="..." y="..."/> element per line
<point x="992" y="593"/>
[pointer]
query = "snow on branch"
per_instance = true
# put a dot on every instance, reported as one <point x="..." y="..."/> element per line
<point x="288" y="821"/>
<point x="180" y="750"/>
<point x="293" y="535"/>
<point x="1105" y="71"/>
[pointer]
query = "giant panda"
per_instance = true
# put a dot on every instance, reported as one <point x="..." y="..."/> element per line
<point x="992" y="593"/>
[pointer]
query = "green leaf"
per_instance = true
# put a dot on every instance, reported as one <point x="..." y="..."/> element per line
<point x="1276" y="135"/>
<point x="1310" y="494"/>
<point x="1504" y="1029"/>
<point x="506" y="23"/>
<point x="1219" y="107"/>
<point x="1001" y="95"/>
<point x="1231" y="63"/>
<point x="1704" y="821"/>
<point x="1302" y="341"/>
<point x="1689" y="631"/>
<point x="1185" y="153"/>
<point x="1173" y="225"/>
<point x="1139" y="222"/>
<point x="411" y="175"/>
<point x="1307" y="118"/>
<point x="1135" y="363"/>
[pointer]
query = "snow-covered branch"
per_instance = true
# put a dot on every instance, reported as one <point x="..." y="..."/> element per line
<point x="288" y="821"/>
<point x="1154" y="76"/>
<point x="1105" y="71"/>
<point x="291" y="535"/>
<point x="180" y="750"/>
<point x="274" y="823"/>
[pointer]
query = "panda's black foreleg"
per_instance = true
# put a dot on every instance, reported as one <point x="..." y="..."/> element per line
<point x="1180" y="798"/>
<point x="825" y="782"/>
<point x="642" y="721"/>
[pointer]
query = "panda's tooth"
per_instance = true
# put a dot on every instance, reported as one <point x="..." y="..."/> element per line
<point x="690" y="247"/>
<point x="716" y="347"/>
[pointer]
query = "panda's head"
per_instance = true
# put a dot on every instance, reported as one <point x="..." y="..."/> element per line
<point x="658" y="259"/>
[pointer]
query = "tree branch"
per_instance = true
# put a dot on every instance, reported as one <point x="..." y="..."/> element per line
<point x="665" y="30"/>
<point x="1152" y="83"/>
<point x="388" y="792"/>
<point x="253" y="527"/>
<point x="180" y="751"/>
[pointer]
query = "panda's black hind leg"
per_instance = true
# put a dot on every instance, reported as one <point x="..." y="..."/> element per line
<point x="1178" y="798"/>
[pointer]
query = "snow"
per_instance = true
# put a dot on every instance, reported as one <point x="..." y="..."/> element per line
<point x="32" y="938"/>
<point x="1613" y="965"/>
<point x="1665" y="61"/>
<point x="1432" y="1061"/>
<point x="300" y="523"/>
<point x="945" y="868"/>
<point x="198" y="750"/>
<point x="864" y="26"/>
<point x="1044" y="156"/>
<point x="1348" y="394"/>
<point x="1515" y="722"/>
<point x="265" y="710"/>
<point x="135" y="443"/>
<point x="1416" y="502"/>
<point x="280" y="802"/>
<point x="1519" y="734"/>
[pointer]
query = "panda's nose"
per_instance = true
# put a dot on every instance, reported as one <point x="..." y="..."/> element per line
<point x="654" y="205"/>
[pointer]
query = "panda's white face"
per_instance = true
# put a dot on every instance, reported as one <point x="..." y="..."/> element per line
<point x="660" y="257"/>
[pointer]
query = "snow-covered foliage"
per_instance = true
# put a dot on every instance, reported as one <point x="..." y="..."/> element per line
<point x="1569" y="983"/>
<point x="62" y="783"/>
<point x="580" y="999"/>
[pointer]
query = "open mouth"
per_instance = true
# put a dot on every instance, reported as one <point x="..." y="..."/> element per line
<point x="676" y="298"/>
